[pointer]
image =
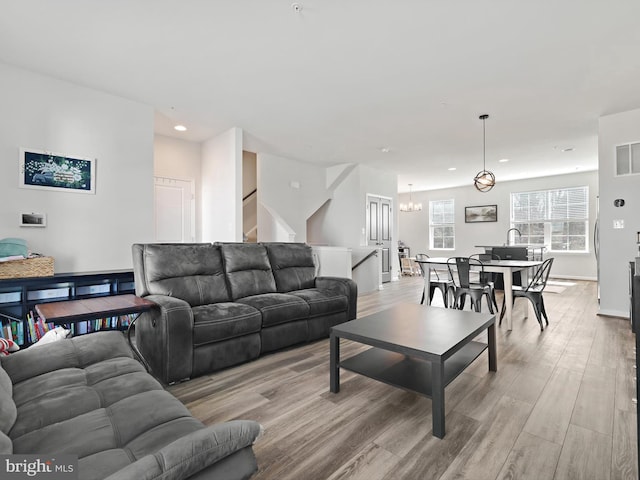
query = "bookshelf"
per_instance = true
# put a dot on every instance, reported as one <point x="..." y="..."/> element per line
<point x="18" y="297"/>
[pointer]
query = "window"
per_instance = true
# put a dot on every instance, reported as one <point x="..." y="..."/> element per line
<point x="557" y="218"/>
<point x="441" y="225"/>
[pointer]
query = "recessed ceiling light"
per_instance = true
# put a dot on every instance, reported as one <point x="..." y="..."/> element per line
<point x="503" y="160"/>
<point x="451" y="169"/>
<point x="180" y="128"/>
<point x="384" y="149"/>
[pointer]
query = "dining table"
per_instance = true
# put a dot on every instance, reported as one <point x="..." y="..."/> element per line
<point x="505" y="267"/>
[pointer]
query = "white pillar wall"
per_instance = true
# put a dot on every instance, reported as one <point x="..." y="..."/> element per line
<point x="618" y="246"/>
<point x="222" y="187"/>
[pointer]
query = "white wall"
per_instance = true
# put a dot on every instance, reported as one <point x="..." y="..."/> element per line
<point x="293" y="190"/>
<point x="617" y="246"/>
<point x="342" y="219"/>
<point x="414" y="226"/>
<point x="313" y="213"/>
<point x="339" y="220"/>
<point x="84" y="232"/>
<point x="180" y="159"/>
<point x="222" y="187"/>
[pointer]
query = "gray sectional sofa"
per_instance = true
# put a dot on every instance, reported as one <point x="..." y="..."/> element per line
<point x="89" y="397"/>
<point x="224" y="304"/>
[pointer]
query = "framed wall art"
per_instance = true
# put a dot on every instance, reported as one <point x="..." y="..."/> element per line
<point x="481" y="213"/>
<point x="55" y="171"/>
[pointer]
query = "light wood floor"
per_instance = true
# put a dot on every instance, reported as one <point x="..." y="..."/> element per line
<point x="559" y="407"/>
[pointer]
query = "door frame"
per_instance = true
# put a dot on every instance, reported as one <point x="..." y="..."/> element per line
<point x="191" y="206"/>
<point x="386" y="276"/>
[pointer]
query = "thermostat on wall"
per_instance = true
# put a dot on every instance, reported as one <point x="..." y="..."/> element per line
<point x="33" y="220"/>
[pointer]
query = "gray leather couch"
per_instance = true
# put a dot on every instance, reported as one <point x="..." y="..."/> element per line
<point x="87" y="396"/>
<point x="224" y="304"/>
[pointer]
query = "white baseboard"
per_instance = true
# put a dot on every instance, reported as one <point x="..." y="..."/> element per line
<point x="574" y="277"/>
<point x="613" y="313"/>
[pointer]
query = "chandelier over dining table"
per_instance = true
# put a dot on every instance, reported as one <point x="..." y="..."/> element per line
<point x="410" y="207"/>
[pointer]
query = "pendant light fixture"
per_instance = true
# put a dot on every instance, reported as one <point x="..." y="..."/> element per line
<point x="411" y="207"/>
<point x="484" y="180"/>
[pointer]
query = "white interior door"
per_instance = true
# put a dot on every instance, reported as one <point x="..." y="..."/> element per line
<point x="174" y="210"/>
<point x="379" y="230"/>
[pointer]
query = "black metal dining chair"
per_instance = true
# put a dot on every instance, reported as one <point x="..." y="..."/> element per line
<point x="488" y="278"/>
<point x="438" y="280"/>
<point x="533" y="291"/>
<point x="460" y="271"/>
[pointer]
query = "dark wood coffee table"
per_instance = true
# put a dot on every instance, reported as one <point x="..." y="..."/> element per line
<point x="415" y="347"/>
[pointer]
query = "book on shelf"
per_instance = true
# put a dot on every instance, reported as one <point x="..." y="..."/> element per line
<point x="13" y="330"/>
<point x="6" y="331"/>
<point x="33" y="327"/>
<point x="108" y="323"/>
<point x="20" y="332"/>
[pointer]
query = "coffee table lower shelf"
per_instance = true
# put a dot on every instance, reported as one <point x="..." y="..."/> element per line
<point x="410" y="373"/>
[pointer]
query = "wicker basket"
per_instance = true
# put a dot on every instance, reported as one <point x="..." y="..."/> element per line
<point x="29" y="267"/>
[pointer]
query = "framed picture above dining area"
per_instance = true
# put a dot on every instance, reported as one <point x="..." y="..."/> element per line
<point x="481" y="213"/>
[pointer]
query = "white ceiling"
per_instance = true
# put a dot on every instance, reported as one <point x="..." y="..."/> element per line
<point x="343" y="79"/>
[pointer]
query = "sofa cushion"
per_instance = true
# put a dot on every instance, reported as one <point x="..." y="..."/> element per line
<point x="115" y="436"/>
<point x="69" y="392"/>
<point x="248" y="269"/>
<point x="8" y="411"/>
<point x="292" y="265"/>
<point x="109" y="412"/>
<point x="222" y="321"/>
<point x="192" y="272"/>
<point x="278" y="308"/>
<point x="77" y="352"/>
<point x="220" y="444"/>
<point x="6" y="445"/>
<point x="322" y="302"/>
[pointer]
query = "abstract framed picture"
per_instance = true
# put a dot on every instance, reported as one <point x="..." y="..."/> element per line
<point x="55" y="171"/>
<point x="481" y="213"/>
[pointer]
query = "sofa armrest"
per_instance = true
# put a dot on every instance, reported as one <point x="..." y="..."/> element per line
<point x="346" y="287"/>
<point x="192" y="453"/>
<point x="164" y="336"/>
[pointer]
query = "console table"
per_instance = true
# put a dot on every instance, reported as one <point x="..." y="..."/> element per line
<point x="72" y="311"/>
<point x="19" y="296"/>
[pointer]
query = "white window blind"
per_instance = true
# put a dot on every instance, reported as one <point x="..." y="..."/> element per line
<point x="442" y="225"/>
<point x="556" y="218"/>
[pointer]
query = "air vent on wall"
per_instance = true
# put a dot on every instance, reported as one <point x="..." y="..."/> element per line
<point x="628" y="159"/>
